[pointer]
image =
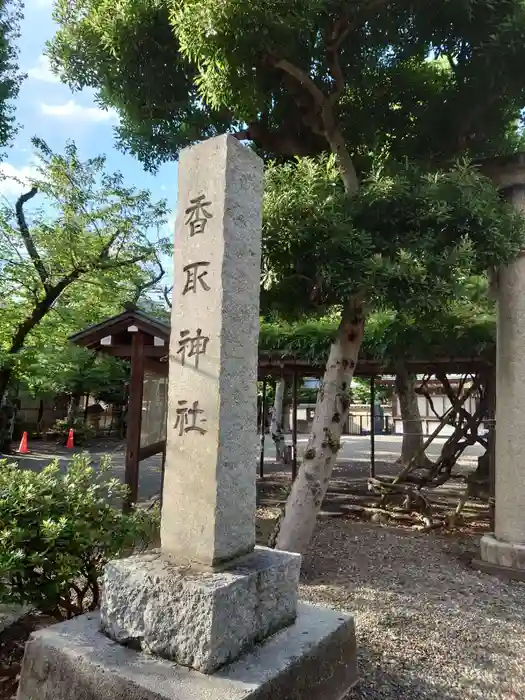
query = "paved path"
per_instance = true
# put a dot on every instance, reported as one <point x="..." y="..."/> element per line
<point x="353" y="461"/>
<point x="43" y="452"/>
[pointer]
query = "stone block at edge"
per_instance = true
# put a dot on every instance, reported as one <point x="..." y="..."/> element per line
<point x="202" y="620"/>
<point x="499" y="553"/>
<point x="313" y="659"/>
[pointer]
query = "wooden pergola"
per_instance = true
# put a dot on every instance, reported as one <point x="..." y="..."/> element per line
<point x="144" y="341"/>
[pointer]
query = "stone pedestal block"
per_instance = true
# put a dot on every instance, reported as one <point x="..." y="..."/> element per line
<point x="199" y="619"/>
<point x="313" y="659"/>
<point x="503" y="559"/>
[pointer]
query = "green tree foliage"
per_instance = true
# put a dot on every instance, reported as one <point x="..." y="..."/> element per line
<point x="70" y="262"/>
<point x="298" y="78"/>
<point x="117" y="49"/>
<point x="389" y="336"/>
<point x="10" y="76"/>
<point x="58" y="530"/>
<point x="71" y="370"/>
<point x="464" y="326"/>
<point x="407" y="239"/>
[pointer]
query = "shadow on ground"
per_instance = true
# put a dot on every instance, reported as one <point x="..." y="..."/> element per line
<point x="429" y="627"/>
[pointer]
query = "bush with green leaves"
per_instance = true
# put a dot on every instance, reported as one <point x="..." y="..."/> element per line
<point x="82" y="431"/>
<point x="57" y="531"/>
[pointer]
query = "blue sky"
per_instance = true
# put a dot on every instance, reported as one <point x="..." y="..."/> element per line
<point x="48" y="109"/>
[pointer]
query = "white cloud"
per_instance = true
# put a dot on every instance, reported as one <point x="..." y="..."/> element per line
<point x="74" y="111"/>
<point x="13" y="180"/>
<point x="42" y="71"/>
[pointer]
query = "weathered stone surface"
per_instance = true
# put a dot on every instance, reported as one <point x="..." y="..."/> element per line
<point x="199" y="619"/>
<point x="314" y="659"/>
<point x="510" y="417"/>
<point x="209" y="482"/>
<point x="506" y="547"/>
<point x="501" y="553"/>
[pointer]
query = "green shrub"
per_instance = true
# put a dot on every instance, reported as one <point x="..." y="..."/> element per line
<point x="57" y="531"/>
<point x="83" y="431"/>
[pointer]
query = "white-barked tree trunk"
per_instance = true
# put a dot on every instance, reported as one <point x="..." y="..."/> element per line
<point x="412" y="445"/>
<point x="331" y="413"/>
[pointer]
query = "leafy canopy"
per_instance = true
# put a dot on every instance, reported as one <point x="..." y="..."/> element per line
<point x="390" y="336"/>
<point x="417" y="79"/>
<point x="406" y="239"/>
<point x="10" y="76"/>
<point x="65" y="369"/>
<point x="92" y="244"/>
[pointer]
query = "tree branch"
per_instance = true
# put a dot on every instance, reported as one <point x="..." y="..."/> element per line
<point x="104" y="253"/>
<point x="141" y="288"/>
<point x="52" y="294"/>
<point x="13" y="244"/>
<point x="303" y="77"/>
<point x="114" y="265"/>
<point x="286" y="141"/>
<point x="343" y="27"/>
<point x="27" y="238"/>
<point x="331" y="129"/>
<point x="166" y="293"/>
<point x="41" y="309"/>
<point x="451" y="63"/>
<point x="335" y="68"/>
<point x="349" y="23"/>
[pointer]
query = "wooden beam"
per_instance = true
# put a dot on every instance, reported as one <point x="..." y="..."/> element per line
<point x="134" y="419"/>
<point x="126" y="350"/>
<point x="160" y="369"/>
<point x="153" y="449"/>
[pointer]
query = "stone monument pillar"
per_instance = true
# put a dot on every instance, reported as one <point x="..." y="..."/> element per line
<point x="209" y="615"/>
<point x="209" y="483"/>
<point x="503" y="552"/>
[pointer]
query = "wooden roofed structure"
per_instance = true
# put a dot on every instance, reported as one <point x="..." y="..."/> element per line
<point x="144" y="340"/>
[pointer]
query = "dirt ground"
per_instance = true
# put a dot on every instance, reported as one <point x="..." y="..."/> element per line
<point x="429" y="627"/>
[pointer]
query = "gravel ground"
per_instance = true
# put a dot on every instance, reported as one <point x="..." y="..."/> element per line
<point x="429" y="627"/>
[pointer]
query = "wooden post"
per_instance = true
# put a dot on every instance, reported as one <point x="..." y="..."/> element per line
<point x="134" y="419"/>
<point x="372" y="428"/>
<point x="263" y="429"/>
<point x="294" y="425"/>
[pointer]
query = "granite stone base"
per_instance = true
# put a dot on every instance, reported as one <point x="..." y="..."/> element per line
<point x="503" y="559"/>
<point x="313" y="659"/>
<point x="202" y="620"/>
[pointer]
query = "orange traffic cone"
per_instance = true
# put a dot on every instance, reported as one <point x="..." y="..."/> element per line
<point x="70" y="442"/>
<point x="23" y="448"/>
